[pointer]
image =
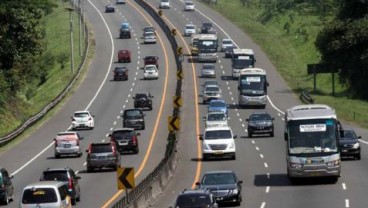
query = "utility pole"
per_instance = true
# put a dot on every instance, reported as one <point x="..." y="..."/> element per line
<point x="71" y="39"/>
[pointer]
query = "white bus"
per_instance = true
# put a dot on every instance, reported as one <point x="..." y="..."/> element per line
<point x="207" y="48"/>
<point x="312" y="138"/>
<point x="252" y="87"/>
<point x="241" y="58"/>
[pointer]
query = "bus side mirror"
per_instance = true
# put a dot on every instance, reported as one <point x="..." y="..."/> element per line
<point x="268" y="84"/>
<point x="238" y="87"/>
<point x="286" y="137"/>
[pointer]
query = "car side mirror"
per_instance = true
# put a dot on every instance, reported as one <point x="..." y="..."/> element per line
<point x="197" y="184"/>
<point x="110" y="135"/>
<point x="272" y="119"/>
<point x="359" y="137"/>
<point x="247" y="119"/>
<point x="78" y="177"/>
<point x="286" y="137"/>
<point x="201" y="138"/>
<point x="138" y="134"/>
<point x="235" y="136"/>
<point x="240" y="182"/>
<point x="87" y="150"/>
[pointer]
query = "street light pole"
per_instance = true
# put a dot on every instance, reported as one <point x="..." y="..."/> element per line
<point x="71" y="39"/>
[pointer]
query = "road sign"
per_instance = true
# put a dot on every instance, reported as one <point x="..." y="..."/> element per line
<point x="178" y="102"/>
<point x="179" y="50"/>
<point x="179" y="75"/>
<point x="174" y="123"/>
<point x="125" y="178"/>
<point x="321" y="68"/>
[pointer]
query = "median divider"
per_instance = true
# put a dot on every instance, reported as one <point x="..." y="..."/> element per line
<point x="153" y="185"/>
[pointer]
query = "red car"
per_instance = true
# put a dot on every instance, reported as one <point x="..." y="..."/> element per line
<point x="148" y="60"/>
<point x="124" y="56"/>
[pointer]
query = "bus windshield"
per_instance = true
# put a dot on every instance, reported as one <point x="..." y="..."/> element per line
<point x="207" y="44"/>
<point x="253" y="84"/>
<point x="312" y="136"/>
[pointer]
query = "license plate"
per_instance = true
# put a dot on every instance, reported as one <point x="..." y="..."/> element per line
<point x="218" y="152"/>
<point x="344" y="150"/>
<point x="67" y="145"/>
<point x="123" y="143"/>
<point x="101" y="157"/>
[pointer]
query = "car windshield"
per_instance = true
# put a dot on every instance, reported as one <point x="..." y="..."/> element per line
<point x="120" y="69"/>
<point x="39" y="196"/>
<point x="101" y="148"/>
<point x="149" y="33"/>
<point x="189" y="3"/>
<point x="150" y="68"/>
<point x="81" y="115"/>
<point x="227" y="42"/>
<point x="260" y="117"/>
<point x="349" y="135"/>
<point x="122" y="134"/>
<point x="191" y="27"/>
<point x="140" y="96"/>
<point x="218" y="178"/>
<point x="212" y="89"/>
<point x="55" y="176"/>
<point x="217" y="104"/>
<point x="133" y="114"/>
<point x="218" y="134"/>
<point x="312" y="136"/>
<point x="206" y="83"/>
<point x="208" y="66"/>
<point x="193" y="201"/>
<point x="216" y="117"/>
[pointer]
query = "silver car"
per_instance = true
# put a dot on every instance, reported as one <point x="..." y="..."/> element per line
<point x="208" y="70"/>
<point x="67" y="143"/>
<point x="211" y="92"/>
<point x="189" y="29"/>
<point x="149" y="37"/>
<point x="215" y="118"/>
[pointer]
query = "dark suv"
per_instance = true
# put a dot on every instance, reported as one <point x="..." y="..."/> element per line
<point x="349" y="144"/>
<point x="260" y="123"/>
<point x="224" y="185"/>
<point x="121" y="73"/>
<point x="6" y="187"/>
<point x="195" y="198"/>
<point x="66" y="175"/>
<point x="102" y="155"/>
<point x="143" y="100"/>
<point x="126" y="139"/>
<point x="133" y="118"/>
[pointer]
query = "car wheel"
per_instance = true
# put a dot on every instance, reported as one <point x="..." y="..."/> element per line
<point x="78" y="198"/>
<point x="250" y="134"/>
<point x="234" y="157"/>
<point x="204" y="158"/>
<point x="272" y="134"/>
<point x="80" y="154"/>
<point x="89" y="169"/>
<point x="57" y="156"/>
<point x="358" y="157"/>
<point x="150" y="107"/>
<point x="136" y="150"/>
<point x="143" y="127"/>
<point x="6" y="200"/>
<point x="74" y="201"/>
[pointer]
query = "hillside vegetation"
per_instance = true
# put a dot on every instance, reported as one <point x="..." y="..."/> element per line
<point x="295" y="33"/>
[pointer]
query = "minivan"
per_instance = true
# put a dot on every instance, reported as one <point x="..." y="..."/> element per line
<point x="49" y="194"/>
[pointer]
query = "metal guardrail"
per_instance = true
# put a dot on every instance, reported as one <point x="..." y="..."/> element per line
<point x="154" y="182"/>
<point x="305" y="96"/>
<point x="4" y="140"/>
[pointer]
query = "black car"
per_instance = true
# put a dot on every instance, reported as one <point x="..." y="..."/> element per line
<point x="126" y="139"/>
<point x="133" y="118"/>
<point x="66" y="175"/>
<point x="110" y="9"/>
<point x="143" y="100"/>
<point x="229" y="51"/>
<point x="224" y="185"/>
<point x="349" y="144"/>
<point x="101" y="155"/>
<point x="207" y="28"/>
<point x="121" y="73"/>
<point x="195" y="198"/>
<point x="6" y="187"/>
<point x="260" y="123"/>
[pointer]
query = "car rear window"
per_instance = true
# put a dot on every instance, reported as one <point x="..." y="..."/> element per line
<point x="218" y="134"/>
<point x="82" y="115"/>
<point x="39" y="196"/>
<point x="193" y="200"/>
<point x="133" y="113"/>
<point x="101" y="148"/>
<point x="218" y="178"/>
<point x="122" y="134"/>
<point x="54" y="176"/>
<point x="260" y="117"/>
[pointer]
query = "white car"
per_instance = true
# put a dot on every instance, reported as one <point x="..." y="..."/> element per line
<point x="164" y="4"/>
<point x="215" y="119"/>
<point x="189" y="6"/>
<point x="226" y="42"/>
<point x="150" y="72"/>
<point x="120" y="1"/>
<point x="211" y="92"/>
<point x="189" y="29"/>
<point x="83" y="119"/>
<point x="218" y="142"/>
<point x="149" y="37"/>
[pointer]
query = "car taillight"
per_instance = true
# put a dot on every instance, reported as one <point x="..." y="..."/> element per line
<point x="73" y="119"/>
<point x="70" y="185"/>
<point x="56" y="142"/>
<point x="89" y="149"/>
<point x="113" y="150"/>
<point x="134" y="140"/>
<point x="77" y="142"/>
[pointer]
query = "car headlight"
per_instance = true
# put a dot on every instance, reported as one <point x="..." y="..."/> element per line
<point x="295" y="165"/>
<point x="252" y="124"/>
<point x="205" y="146"/>
<point x="232" y="145"/>
<point x="235" y="191"/>
<point x="333" y="163"/>
<point x="356" y="146"/>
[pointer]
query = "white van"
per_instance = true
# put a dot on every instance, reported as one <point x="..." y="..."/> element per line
<point x="218" y="142"/>
<point x="164" y="4"/>
<point x="50" y="194"/>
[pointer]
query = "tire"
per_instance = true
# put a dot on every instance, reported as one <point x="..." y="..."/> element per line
<point x="136" y="150"/>
<point x="150" y="107"/>
<point x="57" y="156"/>
<point x="6" y="200"/>
<point x="250" y="135"/>
<point x="233" y="157"/>
<point x="272" y="134"/>
<point x="204" y="157"/>
<point x="358" y="156"/>
<point x="89" y="169"/>
<point x="143" y="127"/>
<point x="74" y="201"/>
<point x="78" y="198"/>
<point x="80" y="154"/>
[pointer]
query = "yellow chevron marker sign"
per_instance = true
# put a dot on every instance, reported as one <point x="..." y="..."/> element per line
<point x="179" y="75"/>
<point x="174" y="123"/>
<point x="178" y="102"/>
<point x="125" y="178"/>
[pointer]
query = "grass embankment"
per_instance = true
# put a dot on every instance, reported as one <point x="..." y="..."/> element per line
<point x="34" y="98"/>
<point x="291" y="48"/>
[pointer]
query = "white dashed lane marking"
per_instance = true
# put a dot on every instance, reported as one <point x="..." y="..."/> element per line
<point x="347" y="204"/>
<point x="267" y="189"/>
<point x="263" y="205"/>
<point x="343" y="186"/>
<point x="265" y="164"/>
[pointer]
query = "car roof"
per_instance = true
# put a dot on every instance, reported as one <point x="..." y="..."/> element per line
<point x="218" y="171"/>
<point x="217" y="101"/>
<point x="194" y="191"/>
<point x="213" y="128"/>
<point x="227" y="39"/>
<point x="259" y="113"/>
<point x="133" y="109"/>
<point x="44" y="184"/>
<point x="123" y="129"/>
<point x="81" y="112"/>
<point x="190" y="25"/>
<point x="57" y="169"/>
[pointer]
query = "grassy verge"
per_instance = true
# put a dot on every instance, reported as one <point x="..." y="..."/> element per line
<point x="34" y="98"/>
<point x="288" y="40"/>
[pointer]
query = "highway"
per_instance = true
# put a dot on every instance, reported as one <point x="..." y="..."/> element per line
<point x="260" y="161"/>
<point x="106" y="99"/>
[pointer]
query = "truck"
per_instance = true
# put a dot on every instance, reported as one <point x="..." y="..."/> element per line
<point x="252" y="87"/>
<point x="312" y="136"/>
